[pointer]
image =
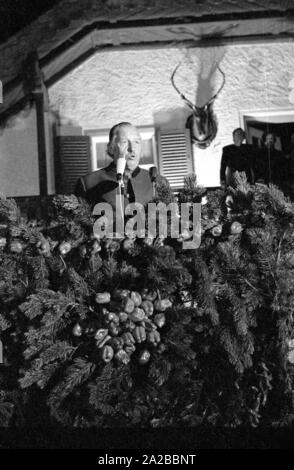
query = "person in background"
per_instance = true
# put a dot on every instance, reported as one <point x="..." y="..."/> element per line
<point x="289" y="170"/>
<point x="271" y="164"/>
<point x="290" y="149"/>
<point x="102" y="185"/>
<point x="237" y="157"/>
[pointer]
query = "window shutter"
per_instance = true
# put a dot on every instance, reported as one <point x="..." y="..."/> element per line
<point x="175" y="156"/>
<point x="73" y="161"/>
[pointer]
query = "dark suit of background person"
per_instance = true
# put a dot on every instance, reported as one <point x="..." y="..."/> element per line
<point x="237" y="157"/>
<point x="102" y="185"/>
<point x="289" y="155"/>
<point x="271" y="165"/>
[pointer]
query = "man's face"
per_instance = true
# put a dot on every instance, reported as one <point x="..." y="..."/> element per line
<point x="269" y="140"/>
<point x="238" y="137"/>
<point x="127" y="142"/>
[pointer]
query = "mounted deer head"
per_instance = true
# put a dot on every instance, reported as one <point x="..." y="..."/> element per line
<point x="202" y="123"/>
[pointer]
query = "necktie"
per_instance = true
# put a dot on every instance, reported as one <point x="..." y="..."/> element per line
<point x="128" y="188"/>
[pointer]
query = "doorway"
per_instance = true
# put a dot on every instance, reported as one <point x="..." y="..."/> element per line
<point x="283" y="131"/>
<point x="280" y="123"/>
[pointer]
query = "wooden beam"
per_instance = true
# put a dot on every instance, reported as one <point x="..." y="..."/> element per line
<point x="82" y="45"/>
<point x="39" y="100"/>
<point x="212" y="33"/>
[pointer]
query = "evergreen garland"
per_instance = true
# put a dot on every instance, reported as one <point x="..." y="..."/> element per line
<point x="223" y="356"/>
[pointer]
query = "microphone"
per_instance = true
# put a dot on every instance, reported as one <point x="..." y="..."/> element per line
<point x="153" y="176"/>
<point x="120" y="168"/>
<point x="153" y="173"/>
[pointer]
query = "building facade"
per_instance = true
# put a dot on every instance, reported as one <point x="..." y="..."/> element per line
<point x="126" y="76"/>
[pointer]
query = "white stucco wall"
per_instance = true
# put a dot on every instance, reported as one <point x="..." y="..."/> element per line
<point x="134" y="85"/>
<point x="19" y="175"/>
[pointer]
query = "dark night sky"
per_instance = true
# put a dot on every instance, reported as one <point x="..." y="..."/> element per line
<point x="15" y="14"/>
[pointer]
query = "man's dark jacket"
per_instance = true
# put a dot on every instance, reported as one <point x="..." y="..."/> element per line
<point x="102" y="186"/>
<point x="237" y="159"/>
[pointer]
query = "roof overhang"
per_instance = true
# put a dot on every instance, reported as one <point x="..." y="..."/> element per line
<point x="57" y="62"/>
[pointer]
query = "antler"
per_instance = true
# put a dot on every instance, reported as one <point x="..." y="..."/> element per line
<point x="189" y="103"/>
<point x="220" y="89"/>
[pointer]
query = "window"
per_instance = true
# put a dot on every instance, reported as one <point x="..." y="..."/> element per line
<point x="276" y="164"/>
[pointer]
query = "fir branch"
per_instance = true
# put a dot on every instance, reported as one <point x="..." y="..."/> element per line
<point x="106" y="392"/>
<point x="55" y="308"/>
<point x="237" y="356"/>
<point x="66" y="203"/>
<point x="163" y="191"/>
<point x="32" y="307"/>
<point x="249" y="284"/>
<point x="9" y="211"/>
<point x="60" y="350"/>
<point x="128" y="273"/>
<point x="73" y="209"/>
<point x="191" y="192"/>
<point x="280" y="246"/>
<point x="57" y="302"/>
<point x="205" y="292"/>
<point x="240" y="320"/>
<point x="110" y="268"/>
<point x="25" y="232"/>
<point x="36" y="343"/>
<point x="39" y="376"/>
<point x="4" y="323"/>
<point x="38" y="272"/>
<point x="78" y="284"/>
<point x="6" y="412"/>
<point x="93" y="271"/>
<point x="242" y="187"/>
<point x="48" y="371"/>
<point x="160" y="370"/>
<point x="271" y="199"/>
<point x="76" y="374"/>
<point x="44" y="366"/>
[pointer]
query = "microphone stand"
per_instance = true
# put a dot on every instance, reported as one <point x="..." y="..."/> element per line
<point x="153" y="176"/>
<point x="121" y="196"/>
<point x="153" y="181"/>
